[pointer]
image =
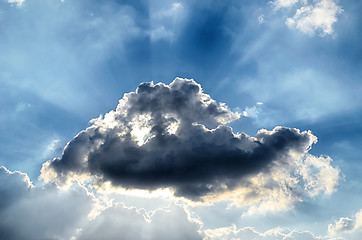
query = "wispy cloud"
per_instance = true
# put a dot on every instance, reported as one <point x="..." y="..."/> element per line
<point x="165" y="22"/>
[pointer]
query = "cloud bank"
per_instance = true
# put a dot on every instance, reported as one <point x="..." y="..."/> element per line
<point x="34" y="213"/>
<point x="30" y="212"/>
<point x="175" y="136"/>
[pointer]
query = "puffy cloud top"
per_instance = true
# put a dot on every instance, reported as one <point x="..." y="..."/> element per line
<point x="175" y="136"/>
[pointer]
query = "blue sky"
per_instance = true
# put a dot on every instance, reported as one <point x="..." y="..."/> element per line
<point x="289" y="63"/>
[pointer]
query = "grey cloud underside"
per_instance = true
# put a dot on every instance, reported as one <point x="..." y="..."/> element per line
<point x="32" y="213"/>
<point x="193" y="160"/>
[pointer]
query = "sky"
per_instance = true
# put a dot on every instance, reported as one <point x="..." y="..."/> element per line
<point x="211" y="120"/>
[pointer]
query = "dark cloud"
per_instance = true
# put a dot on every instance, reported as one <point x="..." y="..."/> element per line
<point x="158" y="137"/>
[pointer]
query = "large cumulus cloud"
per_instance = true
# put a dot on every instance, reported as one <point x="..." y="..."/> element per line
<point x="175" y="136"/>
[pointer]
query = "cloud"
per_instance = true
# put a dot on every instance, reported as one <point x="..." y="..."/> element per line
<point x="284" y="3"/>
<point x="17" y="184"/>
<point x="350" y="228"/>
<point x="231" y="232"/>
<point x="319" y="17"/>
<point x="253" y="111"/>
<point x="132" y="223"/>
<point x="343" y="224"/>
<point x="46" y="212"/>
<point x="175" y="136"/>
<point x="166" y="20"/>
<point x="285" y="184"/>
<point x="29" y="212"/>
<point x="311" y="18"/>
<point x="19" y="3"/>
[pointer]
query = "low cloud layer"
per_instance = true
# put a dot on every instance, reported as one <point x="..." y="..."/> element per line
<point x="175" y="136"/>
<point x="132" y="223"/>
<point x="46" y="212"/>
<point x="232" y="232"/>
<point x="34" y="213"/>
<point x="29" y="212"/>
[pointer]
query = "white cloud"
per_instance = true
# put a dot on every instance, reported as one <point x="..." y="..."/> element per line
<point x="132" y="223"/>
<point x="284" y="3"/>
<point x="358" y="217"/>
<point x="232" y="233"/>
<point x="284" y="185"/>
<point x="318" y="175"/>
<point x="19" y="3"/>
<point x="30" y="212"/>
<point x="53" y="144"/>
<point x="342" y="225"/>
<point x="47" y="212"/>
<point x="319" y="17"/>
<point x="310" y="18"/>
<point x="252" y="112"/>
<point x="348" y="228"/>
